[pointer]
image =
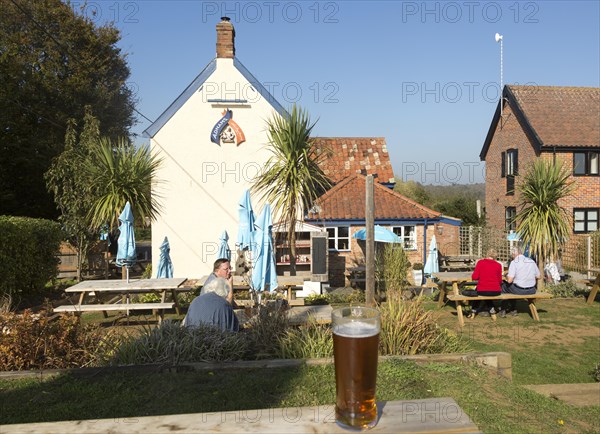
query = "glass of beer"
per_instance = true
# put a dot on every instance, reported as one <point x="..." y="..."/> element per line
<point x="355" y="349"/>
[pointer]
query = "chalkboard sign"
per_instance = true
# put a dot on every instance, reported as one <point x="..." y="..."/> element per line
<point x="319" y="256"/>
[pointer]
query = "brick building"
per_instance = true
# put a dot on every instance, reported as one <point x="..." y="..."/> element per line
<point x="553" y="123"/>
<point x="341" y="211"/>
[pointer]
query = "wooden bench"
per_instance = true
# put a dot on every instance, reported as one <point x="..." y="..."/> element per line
<point x="79" y="308"/>
<point x="595" y="286"/>
<point x="531" y="298"/>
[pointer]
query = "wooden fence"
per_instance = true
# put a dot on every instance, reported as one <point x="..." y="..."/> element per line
<point x="96" y="264"/>
<point x="580" y="253"/>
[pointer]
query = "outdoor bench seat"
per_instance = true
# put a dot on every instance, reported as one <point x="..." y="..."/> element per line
<point x="531" y="298"/>
<point x="78" y="308"/>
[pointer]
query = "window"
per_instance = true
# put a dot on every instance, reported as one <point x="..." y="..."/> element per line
<point x="510" y="169"/>
<point x="585" y="219"/>
<point x="339" y="238"/>
<point x="510" y="222"/>
<point x="408" y="235"/>
<point x="586" y="163"/>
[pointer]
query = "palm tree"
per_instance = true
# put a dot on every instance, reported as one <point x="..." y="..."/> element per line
<point x="292" y="178"/>
<point x="542" y="222"/>
<point x="119" y="173"/>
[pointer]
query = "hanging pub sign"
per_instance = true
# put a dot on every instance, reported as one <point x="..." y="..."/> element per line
<point x="227" y="130"/>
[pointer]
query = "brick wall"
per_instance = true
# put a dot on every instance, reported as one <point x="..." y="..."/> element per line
<point x="339" y="262"/>
<point x="510" y="135"/>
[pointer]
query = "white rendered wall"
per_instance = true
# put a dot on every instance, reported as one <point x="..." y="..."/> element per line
<point x="202" y="182"/>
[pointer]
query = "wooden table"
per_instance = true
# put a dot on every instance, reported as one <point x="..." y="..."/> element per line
<point x="595" y="284"/>
<point x="287" y="282"/>
<point x="99" y="290"/>
<point x="451" y="277"/>
<point x="439" y="415"/>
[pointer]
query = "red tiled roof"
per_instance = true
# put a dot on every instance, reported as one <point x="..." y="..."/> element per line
<point x="347" y="201"/>
<point x="552" y="116"/>
<point x="561" y="116"/>
<point x="355" y="155"/>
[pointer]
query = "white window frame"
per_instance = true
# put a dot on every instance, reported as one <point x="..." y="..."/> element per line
<point x="333" y="232"/>
<point x="585" y="218"/>
<point x="409" y="242"/>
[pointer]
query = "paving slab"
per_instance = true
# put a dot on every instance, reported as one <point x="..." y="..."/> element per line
<point x="581" y="394"/>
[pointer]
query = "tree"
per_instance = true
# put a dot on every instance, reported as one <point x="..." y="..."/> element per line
<point x="292" y="178"/>
<point x="462" y="207"/>
<point x="413" y="190"/>
<point x="541" y="222"/>
<point x="70" y="186"/>
<point x="53" y="62"/>
<point x="120" y="173"/>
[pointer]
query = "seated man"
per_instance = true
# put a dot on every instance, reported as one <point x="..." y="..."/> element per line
<point x="221" y="268"/>
<point x="521" y="279"/>
<point x="213" y="308"/>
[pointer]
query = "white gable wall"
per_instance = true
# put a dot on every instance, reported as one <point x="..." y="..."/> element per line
<point x="202" y="182"/>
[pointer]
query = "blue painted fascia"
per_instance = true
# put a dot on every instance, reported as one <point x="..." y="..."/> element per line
<point x="181" y="99"/>
<point x="450" y="221"/>
<point x="362" y="222"/>
<point x="259" y="87"/>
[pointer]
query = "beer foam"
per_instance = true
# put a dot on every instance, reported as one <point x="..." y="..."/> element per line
<point x="356" y="329"/>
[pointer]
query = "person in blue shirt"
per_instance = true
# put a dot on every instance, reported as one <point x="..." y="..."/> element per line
<point x="213" y="308"/>
<point x="521" y="279"/>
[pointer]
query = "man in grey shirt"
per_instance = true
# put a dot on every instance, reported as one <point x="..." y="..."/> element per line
<point x="213" y="308"/>
<point x="521" y="279"/>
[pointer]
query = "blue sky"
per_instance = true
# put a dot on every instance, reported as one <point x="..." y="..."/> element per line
<point x="424" y="75"/>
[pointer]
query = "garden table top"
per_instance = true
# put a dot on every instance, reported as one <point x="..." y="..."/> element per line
<point x="440" y="415"/>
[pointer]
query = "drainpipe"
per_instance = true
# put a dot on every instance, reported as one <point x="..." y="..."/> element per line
<point x="424" y="249"/>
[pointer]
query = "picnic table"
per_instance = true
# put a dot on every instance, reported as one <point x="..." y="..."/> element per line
<point x="595" y="284"/>
<point x="439" y="415"/>
<point x="287" y="282"/>
<point x="456" y="278"/>
<point x="95" y="295"/>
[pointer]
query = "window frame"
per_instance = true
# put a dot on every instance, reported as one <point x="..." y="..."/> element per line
<point x="411" y="239"/>
<point x="336" y="238"/>
<point x="586" y="220"/>
<point x="510" y="169"/>
<point x="510" y="225"/>
<point x="587" y="163"/>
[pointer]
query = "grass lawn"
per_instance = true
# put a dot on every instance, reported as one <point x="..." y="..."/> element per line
<point x="562" y="348"/>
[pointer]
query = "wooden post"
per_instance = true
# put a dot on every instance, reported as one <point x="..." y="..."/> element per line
<point x="370" y="242"/>
<point x="589" y="257"/>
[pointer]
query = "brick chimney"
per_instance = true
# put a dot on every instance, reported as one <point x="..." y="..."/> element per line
<point x="225" y="39"/>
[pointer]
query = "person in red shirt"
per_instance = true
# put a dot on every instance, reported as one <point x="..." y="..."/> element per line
<point x="488" y="273"/>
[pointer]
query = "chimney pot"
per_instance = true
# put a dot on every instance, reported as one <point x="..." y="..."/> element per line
<point x="225" y="39"/>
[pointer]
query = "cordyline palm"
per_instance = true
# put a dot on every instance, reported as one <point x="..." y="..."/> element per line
<point x="121" y="173"/>
<point x="542" y="222"/>
<point x="291" y="179"/>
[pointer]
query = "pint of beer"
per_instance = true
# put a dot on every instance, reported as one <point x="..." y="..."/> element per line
<point x="355" y="348"/>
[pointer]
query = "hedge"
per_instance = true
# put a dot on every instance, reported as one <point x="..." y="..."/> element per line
<point x="28" y="255"/>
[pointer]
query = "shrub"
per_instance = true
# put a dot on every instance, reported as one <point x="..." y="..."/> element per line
<point x="264" y="330"/>
<point x="171" y="344"/>
<point x="391" y="269"/>
<point x="354" y="297"/>
<point x="32" y="341"/>
<point x="316" y="300"/>
<point x="566" y="289"/>
<point x="147" y="274"/>
<point x="310" y="340"/>
<point x="407" y="328"/>
<point x="28" y="254"/>
<point x="596" y="372"/>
